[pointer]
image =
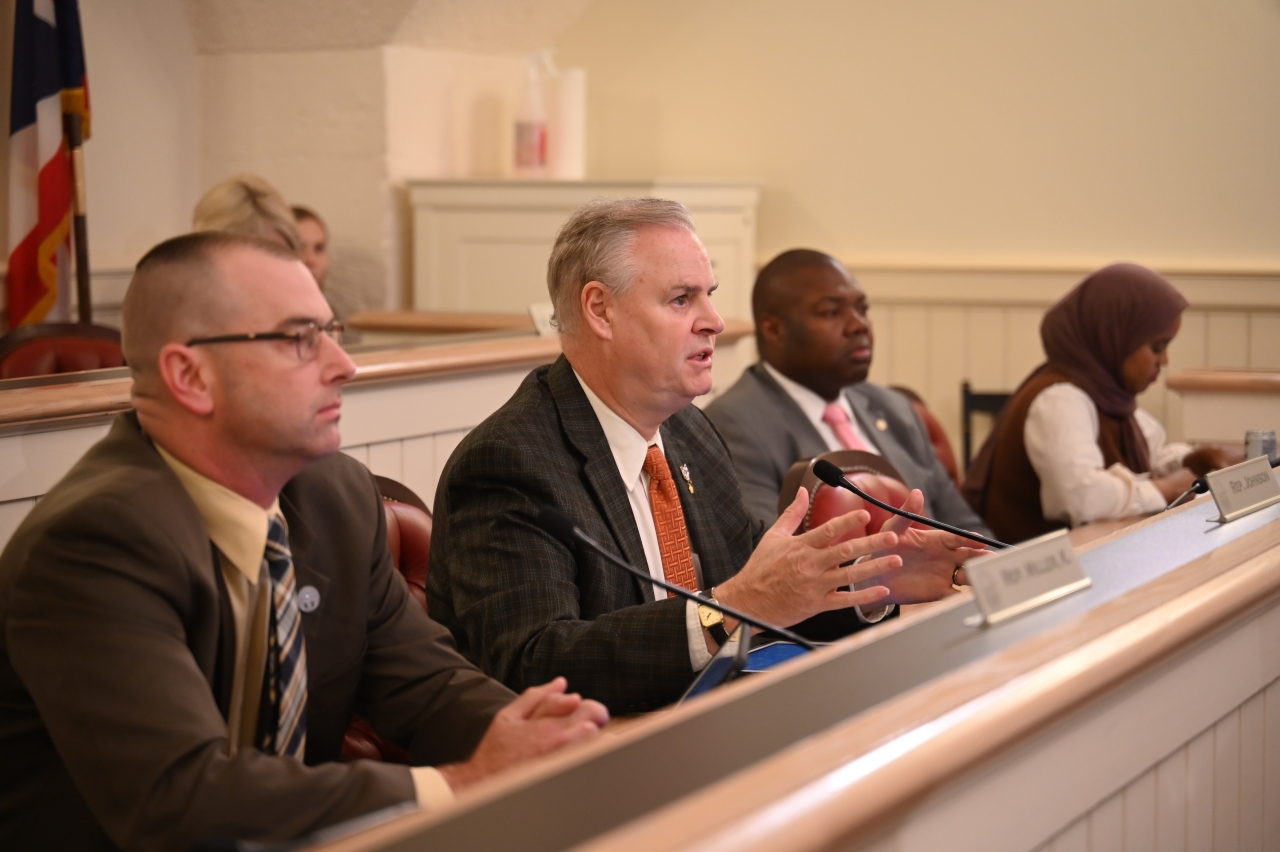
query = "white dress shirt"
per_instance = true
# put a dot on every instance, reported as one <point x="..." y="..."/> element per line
<point x="629" y="449"/>
<point x="814" y="405"/>
<point x="1061" y="437"/>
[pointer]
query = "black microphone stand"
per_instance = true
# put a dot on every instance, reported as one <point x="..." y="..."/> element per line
<point x="834" y="476"/>
<point x="566" y="531"/>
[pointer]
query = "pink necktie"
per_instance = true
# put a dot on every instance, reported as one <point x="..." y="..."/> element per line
<point x="834" y="416"/>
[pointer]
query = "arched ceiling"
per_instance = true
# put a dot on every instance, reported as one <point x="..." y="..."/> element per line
<point x="480" y="26"/>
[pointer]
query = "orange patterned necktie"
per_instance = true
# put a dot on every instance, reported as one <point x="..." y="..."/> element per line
<point x="668" y="518"/>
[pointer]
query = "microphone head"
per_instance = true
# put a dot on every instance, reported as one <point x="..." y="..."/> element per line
<point x="828" y="473"/>
<point x="556" y="523"/>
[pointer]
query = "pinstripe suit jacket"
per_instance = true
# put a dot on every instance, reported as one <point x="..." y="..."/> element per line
<point x="524" y="607"/>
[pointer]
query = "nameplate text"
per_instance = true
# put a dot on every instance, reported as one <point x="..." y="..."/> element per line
<point x="1010" y="582"/>
<point x="1243" y="488"/>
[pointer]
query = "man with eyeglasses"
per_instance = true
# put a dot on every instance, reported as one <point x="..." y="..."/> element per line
<point x="190" y="617"/>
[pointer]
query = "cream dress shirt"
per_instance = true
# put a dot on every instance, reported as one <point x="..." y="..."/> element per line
<point x="238" y="529"/>
<point x="1061" y="437"/>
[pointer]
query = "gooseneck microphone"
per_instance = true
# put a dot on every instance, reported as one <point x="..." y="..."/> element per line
<point x="834" y="476"/>
<point x="560" y="526"/>
<point x="1201" y="486"/>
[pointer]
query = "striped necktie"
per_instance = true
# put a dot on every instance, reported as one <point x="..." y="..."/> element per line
<point x="285" y="679"/>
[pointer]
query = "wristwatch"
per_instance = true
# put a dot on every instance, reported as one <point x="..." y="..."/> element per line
<point x="713" y="619"/>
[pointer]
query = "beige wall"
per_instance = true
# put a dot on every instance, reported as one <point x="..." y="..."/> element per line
<point x="989" y="132"/>
<point x="142" y="162"/>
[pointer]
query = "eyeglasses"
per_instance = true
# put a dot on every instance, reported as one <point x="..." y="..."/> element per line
<point x="306" y="339"/>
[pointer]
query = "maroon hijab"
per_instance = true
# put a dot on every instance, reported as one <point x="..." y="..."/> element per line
<point x="1092" y="330"/>
<point x="1087" y="337"/>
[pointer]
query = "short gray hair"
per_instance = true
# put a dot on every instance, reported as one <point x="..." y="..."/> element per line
<point x="595" y="245"/>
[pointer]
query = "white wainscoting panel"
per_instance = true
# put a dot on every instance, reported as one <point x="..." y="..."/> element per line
<point x="1185" y="757"/>
<point x="1220" y="791"/>
<point x="12" y="513"/>
<point x="404" y="430"/>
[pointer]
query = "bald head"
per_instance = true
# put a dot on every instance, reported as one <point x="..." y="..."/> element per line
<point x="179" y="292"/>
<point x="775" y="285"/>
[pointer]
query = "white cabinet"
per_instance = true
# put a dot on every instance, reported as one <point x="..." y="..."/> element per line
<point x="483" y="245"/>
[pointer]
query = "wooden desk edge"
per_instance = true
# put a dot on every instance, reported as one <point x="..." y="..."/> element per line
<point x="52" y="403"/>
<point x="1225" y="381"/>
<point x="811" y="797"/>
<point x="450" y="322"/>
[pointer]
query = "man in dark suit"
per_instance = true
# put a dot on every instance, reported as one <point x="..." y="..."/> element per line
<point x="815" y="344"/>
<point x="189" y="618"/>
<point x="606" y="434"/>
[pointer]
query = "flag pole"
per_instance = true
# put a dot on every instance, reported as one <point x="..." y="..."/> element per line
<point x="80" y="228"/>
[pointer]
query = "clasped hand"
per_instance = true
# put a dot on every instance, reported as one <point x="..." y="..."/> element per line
<point x="541" y="720"/>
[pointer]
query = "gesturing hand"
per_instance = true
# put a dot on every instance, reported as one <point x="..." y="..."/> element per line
<point x="928" y="558"/>
<point x="792" y="577"/>
<point x="541" y="720"/>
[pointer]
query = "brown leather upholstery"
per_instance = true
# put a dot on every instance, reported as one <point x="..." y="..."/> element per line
<point x="61" y="347"/>
<point x="937" y="435"/>
<point x="868" y="471"/>
<point x="409" y="540"/>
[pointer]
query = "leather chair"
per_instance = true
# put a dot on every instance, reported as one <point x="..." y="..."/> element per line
<point x="58" y="347"/>
<point x="409" y="540"/>
<point x="870" y="472"/>
<point x="937" y="435"/>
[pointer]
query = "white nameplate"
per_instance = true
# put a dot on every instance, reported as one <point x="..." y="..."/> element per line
<point x="1012" y="581"/>
<point x="1243" y="488"/>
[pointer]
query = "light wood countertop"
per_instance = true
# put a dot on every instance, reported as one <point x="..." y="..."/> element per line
<point x="438" y="322"/>
<point x="1225" y="381"/>
<point x="835" y="788"/>
<point x="462" y="322"/>
<point x="42" y="404"/>
<point x="831" y="788"/>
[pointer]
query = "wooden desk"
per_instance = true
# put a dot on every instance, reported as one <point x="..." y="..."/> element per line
<point x="460" y="322"/>
<point x="1220" y="405"/>
<point x="1164" y="676"/>
<point x="402" y="415"/>
<point x="438" y="322"/>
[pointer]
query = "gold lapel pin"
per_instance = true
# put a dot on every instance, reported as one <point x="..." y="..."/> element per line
<point x="882" y="424"/>
<point x="688" y="480"/>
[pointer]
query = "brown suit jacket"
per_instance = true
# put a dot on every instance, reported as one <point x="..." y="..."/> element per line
<point x="523" y="606"/>
<point x="116" y="654"/>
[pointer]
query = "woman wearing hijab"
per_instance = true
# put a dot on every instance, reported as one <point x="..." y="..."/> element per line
<point x="1072" y="446"/>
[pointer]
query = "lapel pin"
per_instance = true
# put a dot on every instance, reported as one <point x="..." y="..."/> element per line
<point x="882" y="424"/>
<point x="308" y="599"/>
<point x="688" y="481"/>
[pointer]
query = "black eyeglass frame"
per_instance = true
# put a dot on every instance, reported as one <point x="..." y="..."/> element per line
<point x="309" y="336"/>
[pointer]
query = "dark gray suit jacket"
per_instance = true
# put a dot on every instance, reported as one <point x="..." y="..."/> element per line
<point x="767" y="433"/>
<point x="117" y="652"/>
<point x="523" y="606"/>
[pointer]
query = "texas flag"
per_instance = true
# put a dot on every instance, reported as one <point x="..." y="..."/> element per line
<point x="48" y="80"/>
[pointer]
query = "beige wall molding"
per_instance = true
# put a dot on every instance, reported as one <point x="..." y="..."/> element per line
<point x="1040" y="286"/>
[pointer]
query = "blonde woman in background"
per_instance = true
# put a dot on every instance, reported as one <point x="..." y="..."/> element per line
<point x="314" y="235"/>
<point x="247" y="204"/>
